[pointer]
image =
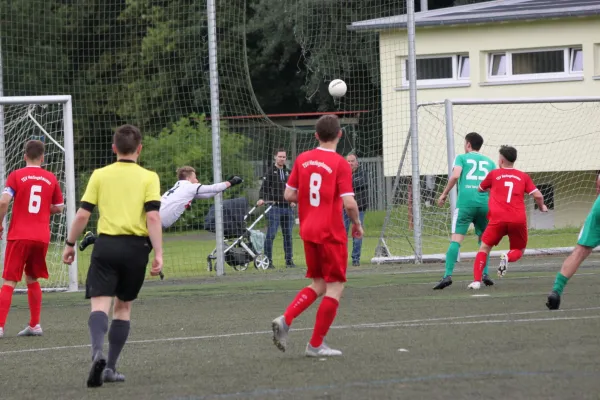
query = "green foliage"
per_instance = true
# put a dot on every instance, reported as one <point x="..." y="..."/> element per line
<point x="188" y="141"/>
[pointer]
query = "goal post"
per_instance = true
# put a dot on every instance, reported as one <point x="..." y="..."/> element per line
<point x="50" y="119"/>
<point x="557" y="140"/>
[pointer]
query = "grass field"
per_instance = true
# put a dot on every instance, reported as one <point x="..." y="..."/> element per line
<point x="211" y="340"/>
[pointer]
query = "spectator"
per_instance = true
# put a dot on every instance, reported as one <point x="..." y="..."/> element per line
<point x="360" y="183"/>
<point x="282" y="212"/>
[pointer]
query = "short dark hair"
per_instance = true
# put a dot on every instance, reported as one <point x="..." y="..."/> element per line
<point x="127" y="138"/>
<point x="509" y="153"/>
<point x="328" y="127"/>
<point x="475" y="140"/>
<point x="185" y="172"/>
<point x="279" y="150"/>
<point x="34" y="149"/>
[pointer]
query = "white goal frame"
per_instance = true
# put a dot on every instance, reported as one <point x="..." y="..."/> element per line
<point x="382" y="252"/>
<point x="68" y="147"/>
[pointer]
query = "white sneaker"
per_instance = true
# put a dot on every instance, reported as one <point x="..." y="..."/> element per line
<point x="322" y="351"/>
<point x="280" y="332"/>
<point x="503" y="265"/>
<point x="1" y="333"/>
<point x="474" y="285"/>
<point x="29" y="331"/>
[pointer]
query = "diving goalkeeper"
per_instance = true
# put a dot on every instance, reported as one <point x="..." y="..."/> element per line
<point x="179" y="198"/>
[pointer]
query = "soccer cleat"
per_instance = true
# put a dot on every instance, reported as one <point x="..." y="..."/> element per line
<point x="88" y="238"/>
<point x="280" y="332"/>
<point x="31" y="331"/>
<point x="322" y="351"/>
<point x="97" y="371"/>
<point x="503" y="265"/>
<point x="356" y="263"/>
<point x="1" y="333"/>
<point x="113" y="376"/>
<point x="487" y="281"/>
<point x="443" y="283"/>
<point x="474" y="285"/>
<point x="553" y="302"/>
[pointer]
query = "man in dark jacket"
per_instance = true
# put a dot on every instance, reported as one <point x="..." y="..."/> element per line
<point x="360" y="183"/>
<point x="271" y="191"/>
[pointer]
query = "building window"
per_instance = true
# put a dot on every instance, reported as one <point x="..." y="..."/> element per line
<point x="535" y="64"/>
<point x="439" y="70"/>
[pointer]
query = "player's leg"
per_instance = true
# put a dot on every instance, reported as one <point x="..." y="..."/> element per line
<point x="334" y="261"/>
<point x="14" y="265"/>
<point x="480" y="223"/>
<point x="517" y="237"/>
<point x="357" y="243"/>
<point x="287" y="225"/>
<point x="35" y="268"/>
<point x="460" y="226"/>
<point x="490" y="238"/>
<point x="304" y="298"/>
<point x="273" y="217"/>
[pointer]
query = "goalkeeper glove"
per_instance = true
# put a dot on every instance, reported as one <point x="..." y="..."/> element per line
<point x="234" y="180"/>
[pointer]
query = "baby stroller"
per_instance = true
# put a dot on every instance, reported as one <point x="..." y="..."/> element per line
<point x="242" y="244"/>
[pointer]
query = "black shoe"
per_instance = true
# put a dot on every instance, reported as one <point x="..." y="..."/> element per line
<point x="95" y="379"/>
<point x="88" y="238"/>
<point x="356" y="263"/>
<point x="445" y="282"/>
<point x="271" y="265"/>
<point x="487" y="280"/>
<point x="553" y="302"/>
<point x="290" y="264"/>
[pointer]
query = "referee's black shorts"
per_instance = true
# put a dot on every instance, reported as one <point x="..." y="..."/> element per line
<point x="118" y="267"/>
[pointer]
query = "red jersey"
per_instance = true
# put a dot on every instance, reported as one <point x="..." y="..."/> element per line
<point x="34" y="191"/>
<point x="321" y="177"/>
<point x="507" y="194"/>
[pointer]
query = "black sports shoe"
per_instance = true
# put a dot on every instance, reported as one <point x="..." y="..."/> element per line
<point x="553" y="302"/>
<point x="88" y="238"/>
<point x="445" y="282"/>
<point x="290" y="264"/>
<point x="487" y="281"/>
<point x="95" y="379"/>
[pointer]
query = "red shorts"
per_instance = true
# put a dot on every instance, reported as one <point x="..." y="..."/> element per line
<point x="516" y="231"/>
<point x="25" y="255"/>
<point x="327" y="261"/>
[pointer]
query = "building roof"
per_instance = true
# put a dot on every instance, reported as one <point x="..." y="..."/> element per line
<point x="487" y="12"/>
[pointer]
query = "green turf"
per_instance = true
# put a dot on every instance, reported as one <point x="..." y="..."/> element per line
<point x="210" y="340"/>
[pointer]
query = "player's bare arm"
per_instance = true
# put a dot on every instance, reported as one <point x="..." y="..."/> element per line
<point x="291" y="195"/>
<point x="81" y="220"/>
<point x="4" y="202"/>
<point x="456" y="171"/>
<point x="155" y="233"/>
<point x="352" y="210"/>
<point x="538" y="197"/>
<point x="56" y="209"/>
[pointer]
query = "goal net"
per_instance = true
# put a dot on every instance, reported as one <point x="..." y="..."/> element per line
<point x="46" y="119"/>
<point x="557" y="141"/>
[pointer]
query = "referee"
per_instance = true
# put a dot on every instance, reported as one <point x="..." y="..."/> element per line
<point x="128" y="201"/>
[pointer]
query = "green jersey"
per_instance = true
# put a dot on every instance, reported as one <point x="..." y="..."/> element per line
<point x="474" y="168"/>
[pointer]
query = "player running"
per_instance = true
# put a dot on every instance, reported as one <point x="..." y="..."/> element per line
<point x="507" y="215"/>
<point x="589" y="238"/>
<point x="321" y="183"/>
<point x="471" y="206"/>
<point x="179" y="198"/>
<point x="36" y="195"/>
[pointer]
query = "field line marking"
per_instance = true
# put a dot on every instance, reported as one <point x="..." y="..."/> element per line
<point x="390" y="324"/>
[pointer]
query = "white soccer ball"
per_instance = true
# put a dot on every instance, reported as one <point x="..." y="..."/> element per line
<point x="337" y="88"/>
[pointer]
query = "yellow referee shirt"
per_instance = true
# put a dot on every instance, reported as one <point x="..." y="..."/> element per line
<point x="123" y="192"/>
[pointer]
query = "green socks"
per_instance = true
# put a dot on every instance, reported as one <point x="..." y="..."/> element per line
<point x="451" y="256"/>
<point x="559" y="283"/>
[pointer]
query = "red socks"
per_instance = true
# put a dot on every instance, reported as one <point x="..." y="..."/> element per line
<point x="303" y="300"/>
<point x="5" y="299"/>
<point x="514" y="255"/>
<point x="34" y="296"/>
<point x="325" y="317"/>
<point x="479" y="265"/>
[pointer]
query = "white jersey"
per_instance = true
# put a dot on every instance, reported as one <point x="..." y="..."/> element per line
<point x="177" y="199"/>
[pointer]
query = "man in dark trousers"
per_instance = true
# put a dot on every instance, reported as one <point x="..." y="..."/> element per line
<point x="360" y="183"/>
<point x="282" y="212"/>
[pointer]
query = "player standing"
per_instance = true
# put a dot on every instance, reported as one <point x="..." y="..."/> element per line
<point x="471" y="206"/>
<point x="321" y="184"/>
<point x="507" y="214"/>
<point x="589" y="238"/>
<point x="36" y="195"/>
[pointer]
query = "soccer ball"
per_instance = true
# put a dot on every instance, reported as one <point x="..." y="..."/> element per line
<point x="337" y="88"/>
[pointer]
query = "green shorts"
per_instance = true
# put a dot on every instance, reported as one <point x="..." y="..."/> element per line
<point x="464" y="217"/>
<point x="589" y="235"/>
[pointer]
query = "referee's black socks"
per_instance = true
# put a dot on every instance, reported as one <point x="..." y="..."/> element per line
<point x="117" y="336"/>
<point x="98" y="324"/>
